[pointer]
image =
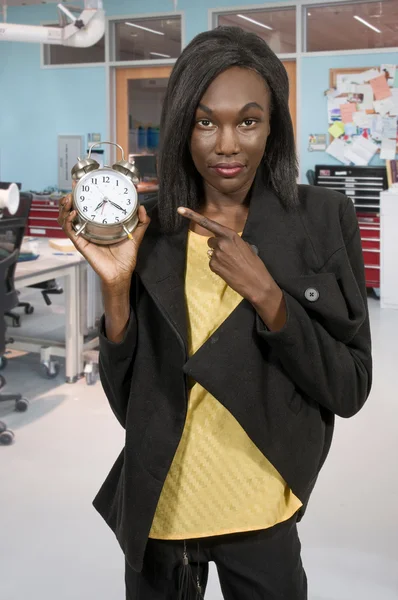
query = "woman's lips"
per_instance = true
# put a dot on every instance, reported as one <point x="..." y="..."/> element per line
<point x="231" y="170"/>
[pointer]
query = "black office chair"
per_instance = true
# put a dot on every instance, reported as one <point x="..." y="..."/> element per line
<point x="311" y="176"/>
<point x="47" y="287"/>
<point x="12" y="229"/>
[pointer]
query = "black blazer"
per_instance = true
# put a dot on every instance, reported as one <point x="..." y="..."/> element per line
<point x="283" y="387"/>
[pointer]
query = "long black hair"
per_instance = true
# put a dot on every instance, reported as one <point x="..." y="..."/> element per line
<point x="208" y="55"/>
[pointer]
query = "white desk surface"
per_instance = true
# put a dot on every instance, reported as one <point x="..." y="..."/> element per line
<point x="47" y="261"/>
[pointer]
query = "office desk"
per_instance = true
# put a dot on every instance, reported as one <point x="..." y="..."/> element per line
<point x="50" y="266"/>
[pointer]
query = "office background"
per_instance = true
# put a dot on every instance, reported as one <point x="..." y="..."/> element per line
<point x="54" y="544"/>
<point x="42" y="103"/>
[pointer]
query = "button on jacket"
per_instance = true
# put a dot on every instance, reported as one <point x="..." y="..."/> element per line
<point x="283" y="387"/>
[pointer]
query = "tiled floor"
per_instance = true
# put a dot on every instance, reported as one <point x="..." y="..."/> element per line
<point x="53" y="545"/>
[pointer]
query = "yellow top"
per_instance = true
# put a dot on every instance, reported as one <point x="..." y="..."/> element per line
<point x="219" y="481"/>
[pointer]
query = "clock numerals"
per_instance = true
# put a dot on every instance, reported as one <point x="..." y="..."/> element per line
<point x="82" y="198"/>
<point x="128" y="202"/>
<point x="117" y="183"/>
<point x="94" y="181"/>
<point x="106" y="179"/>
<point x="117" y="219"/>
<point x="105" y="221"/>
<point x="126" y="191"/>
<point x="92" y="217"/>
<point x="85" y="208"/>
<point x="86" y="188"/>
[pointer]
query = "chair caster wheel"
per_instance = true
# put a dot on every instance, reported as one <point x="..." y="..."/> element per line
<point x="90" y="378"/>
<point x="7" y="437"/>
<point x="2" y="427"/>
<point x="3" y="362"/>
<point x="29" y="310"/>
<point x="22" y="405"/>
<point x="16" y="321"/>
<point x="50" y="369"/>
<point x="2" y="381"/>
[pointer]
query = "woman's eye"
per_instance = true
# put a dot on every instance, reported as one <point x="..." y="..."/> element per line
<point x="248" y="122"/>
<point x="205" y="122"/>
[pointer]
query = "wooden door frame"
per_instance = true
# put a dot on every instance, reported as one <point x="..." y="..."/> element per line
<point x="291" y="69"/>
<point x="123" y="75"/>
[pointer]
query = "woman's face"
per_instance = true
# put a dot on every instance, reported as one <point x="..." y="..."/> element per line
<point x="232" y="124"/>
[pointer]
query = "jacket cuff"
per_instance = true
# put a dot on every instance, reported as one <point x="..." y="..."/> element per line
<point x="122" y="349"/>
<point x="288" y="333"/>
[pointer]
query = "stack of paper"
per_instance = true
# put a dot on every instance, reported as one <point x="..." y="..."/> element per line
<point x="61" y="244"/>
<point x="361" y="151"/>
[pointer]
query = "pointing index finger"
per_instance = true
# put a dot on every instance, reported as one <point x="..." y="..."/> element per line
<point x="212" y="226"/>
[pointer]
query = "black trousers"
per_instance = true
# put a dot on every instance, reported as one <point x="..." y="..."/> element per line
<point x="259" y="565"/>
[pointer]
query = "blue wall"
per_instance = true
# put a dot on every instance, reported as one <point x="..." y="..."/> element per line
<point x="36" y="105"/>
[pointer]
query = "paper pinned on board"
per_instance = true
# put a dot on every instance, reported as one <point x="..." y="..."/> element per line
<point x="337" y="129"/>
<point x="350" y="129"/>
<point x="380" y="87"/>
<point x="388" y="149"/>
<point x="334" y="113"/>
<point x="394" y="100"/>
<point x="390" y="127"/>
<point x="336" y="149"/>
<point x="368" y="75"/>
<point x="331" y="93"/>
<point x="361" y="151"/>
<point x="362" y="119"/>
<point x="383" y="107"/>
<point x="367" y="92"/>
<point x="347" y="110"/>
<point x="377" y="127"/>
<point x="389" y="71"/>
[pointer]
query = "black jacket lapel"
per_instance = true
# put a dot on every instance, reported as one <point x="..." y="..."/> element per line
<point x="161" y="268"/>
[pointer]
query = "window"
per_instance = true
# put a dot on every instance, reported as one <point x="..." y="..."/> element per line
<point x="154" y="38"/>
<point x="64" y="55"/>
<point x="352" y="26"/>
<point x="276" y="27"/>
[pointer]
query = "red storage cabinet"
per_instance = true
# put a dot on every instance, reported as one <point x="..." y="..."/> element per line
<point x="43" y="217"/>
<point x="363" y="185"/>
<point x="369" y="226"/>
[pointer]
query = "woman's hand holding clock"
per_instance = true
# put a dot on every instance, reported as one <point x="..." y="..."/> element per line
<point x="115" y="263"/>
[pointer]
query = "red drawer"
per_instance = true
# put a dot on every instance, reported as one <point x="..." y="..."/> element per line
<point x="369" y="231"/>
<point x="371" y="257"/>
<point x="38" y="230"/>
<point x="367" y="219"/>
<point x="44" y="213"/>
<point x="369" y="244"/>
<point x="372" y="277"/>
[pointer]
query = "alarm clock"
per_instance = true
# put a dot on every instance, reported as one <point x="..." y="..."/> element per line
<point x="105" y="199"/>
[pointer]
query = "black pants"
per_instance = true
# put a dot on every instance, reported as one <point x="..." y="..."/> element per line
<point x="260" y="565"/>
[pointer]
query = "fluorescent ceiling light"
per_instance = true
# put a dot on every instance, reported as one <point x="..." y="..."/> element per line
<point x="309" y="14"/>
<point x="255" y="22"/>
<point x="144" y="28"/>
<point x="159" y="54"/>
<point x="367" y="24"/>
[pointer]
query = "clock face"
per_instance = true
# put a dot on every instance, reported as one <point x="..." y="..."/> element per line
<point x="105" y="197"/>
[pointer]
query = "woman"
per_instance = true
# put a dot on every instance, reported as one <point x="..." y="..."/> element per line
<point x="235" y="328"/>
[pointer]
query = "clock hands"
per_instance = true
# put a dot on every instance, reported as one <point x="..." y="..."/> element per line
<point x="104" y="201"/>
<point x="100" y="204"/>
<point x="117" y="206"/>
